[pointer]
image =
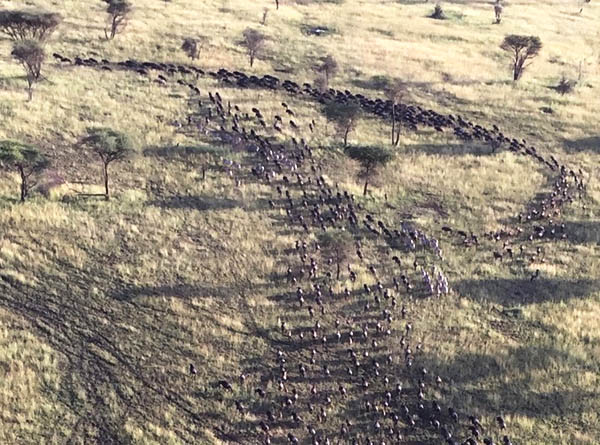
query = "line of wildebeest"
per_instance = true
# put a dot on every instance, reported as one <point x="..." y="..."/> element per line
<point x="348" y="366"/>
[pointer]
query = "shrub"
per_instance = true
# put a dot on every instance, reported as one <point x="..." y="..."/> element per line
<point x="565" y="86"/>
<point x="438" y="13"/>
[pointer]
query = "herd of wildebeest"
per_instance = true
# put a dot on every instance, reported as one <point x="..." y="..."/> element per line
<point x="347" y="363"/>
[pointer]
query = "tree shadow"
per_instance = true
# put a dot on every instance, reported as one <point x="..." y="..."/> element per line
<point x="583" y="144"/>
<point x="525" y="291"/>
<point x="583" y="232"/>
<point x="183" y="291"/>
<point x="201" y="203"/>
<point x="452" y="149"/>
<point x="483" y="376"/>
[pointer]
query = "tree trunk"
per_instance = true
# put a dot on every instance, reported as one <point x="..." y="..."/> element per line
<point x="337" y="276"/>
<point x="276" y="4"/>
<point x="393" y="122"/>
<point x="29" y="88"/>
<point x="346" y="136"/>
<point x="23" y="183"/>
<point x="113" y="28"/>
<point x="203" y="172"/>
<point x="106" y="191"/>
<point x="366" y="186"/>
<point x="251" y="60"/>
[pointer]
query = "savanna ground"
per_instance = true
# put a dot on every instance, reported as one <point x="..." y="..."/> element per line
<point x="103" y="305"/>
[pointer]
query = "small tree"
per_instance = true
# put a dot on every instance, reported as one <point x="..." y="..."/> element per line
<point x="29" y="25"/>
<point x="337" y="244"/>
<point x="191" y="46"/>
<point x="343" y="115"/>
<point x="498" y="11"/>
<point x="110" y="146"/>
<point x="329" y="67"/>
<point x="26" y="160"/>
<point x="254" y="42"/>
<point x="395" y="93"/>
<point x="31" y="56"/>
<point x="522" y="49"/>
<point x="370" y="159"/>
<point x="118" y="13"/>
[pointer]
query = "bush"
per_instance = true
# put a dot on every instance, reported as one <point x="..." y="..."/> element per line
<point x="565" y="86"/>
<point x="438" y="13"/>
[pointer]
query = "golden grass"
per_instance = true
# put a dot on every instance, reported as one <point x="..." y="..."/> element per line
<point x="126" y="294"/>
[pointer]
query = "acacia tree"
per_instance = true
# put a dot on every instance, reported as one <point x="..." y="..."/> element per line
<point x="329" y="67"/>
<point x="522" y="50"/>
<point x="370" y="158"/>
<point x="31" y="56"/>
<point x="254" y="42"/>
<point x="344" y="115"/>
<point x="29" y="25"/>
<point x="338" y="245"/>
<point x="118" y="13"/>
<point x="26" y="160"/>
<point x="110" y="146"/>
<point x="395" y="93"/>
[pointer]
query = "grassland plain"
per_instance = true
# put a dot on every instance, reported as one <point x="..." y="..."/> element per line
<point x="103" y="305"/>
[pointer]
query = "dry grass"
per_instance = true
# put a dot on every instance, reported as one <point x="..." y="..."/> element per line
<point x="104" y="305"/>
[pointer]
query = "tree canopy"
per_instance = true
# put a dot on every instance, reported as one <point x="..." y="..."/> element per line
<point x="29" y="25"/>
